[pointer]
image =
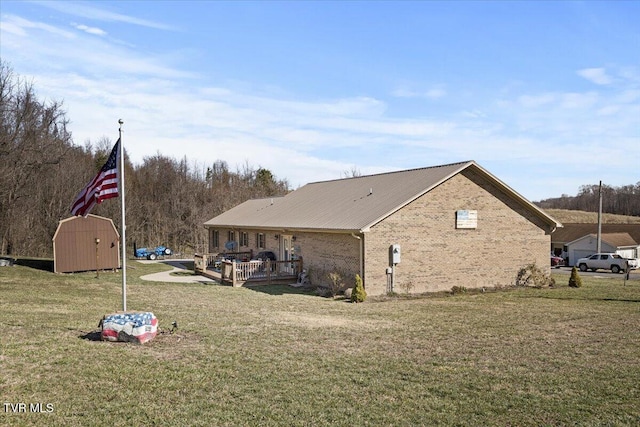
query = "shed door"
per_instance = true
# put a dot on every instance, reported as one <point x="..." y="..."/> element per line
<point x="577" y="254"/>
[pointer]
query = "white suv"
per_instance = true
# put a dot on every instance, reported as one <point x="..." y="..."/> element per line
<point x="613" y="262"/>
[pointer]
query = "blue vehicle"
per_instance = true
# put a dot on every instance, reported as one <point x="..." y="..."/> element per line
<point x="152" y="253"/>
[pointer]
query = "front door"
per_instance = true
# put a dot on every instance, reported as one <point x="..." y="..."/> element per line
<point x="286" y="253"/>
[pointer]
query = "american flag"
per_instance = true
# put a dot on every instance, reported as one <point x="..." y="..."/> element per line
<point x="137" y="327"/>
<point x="104" y="186"/>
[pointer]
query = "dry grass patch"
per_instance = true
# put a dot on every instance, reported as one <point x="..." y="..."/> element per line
<point x="571" y="216"/>
<point x="280" y="357"/>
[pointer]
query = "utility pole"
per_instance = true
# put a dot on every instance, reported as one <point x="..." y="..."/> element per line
<point x="599" y="243"/>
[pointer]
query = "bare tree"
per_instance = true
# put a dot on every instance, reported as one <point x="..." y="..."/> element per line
<point x="42" y="171"/>
<point x="354" y="172"/>
<point x="33" y="143"/>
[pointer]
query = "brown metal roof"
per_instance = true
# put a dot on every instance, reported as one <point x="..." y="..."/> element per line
<point x="350" y="204"/>
<point x="616" y="240"/>
<point x="619" y="240"/>
<point x="573" y="231"/>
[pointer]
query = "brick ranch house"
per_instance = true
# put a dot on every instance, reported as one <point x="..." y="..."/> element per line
<point x="452" y="225"/>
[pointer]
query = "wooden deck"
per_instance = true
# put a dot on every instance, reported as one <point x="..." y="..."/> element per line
<point x="240" y="273"/>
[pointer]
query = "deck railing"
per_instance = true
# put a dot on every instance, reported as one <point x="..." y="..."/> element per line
<point x="212" y="261"/>
<point x="239" y="272"/>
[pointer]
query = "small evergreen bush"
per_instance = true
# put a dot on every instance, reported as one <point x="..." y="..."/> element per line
<point x="358" y="294"/>
<point x="575" y="281"/>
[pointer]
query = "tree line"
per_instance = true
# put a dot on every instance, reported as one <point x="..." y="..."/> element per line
<point x="42" y="171"/>
<point x="623" y="200"/>
<point x="168" y="200"/>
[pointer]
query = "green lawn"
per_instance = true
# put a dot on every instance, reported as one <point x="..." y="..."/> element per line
<point x="276" y="356"/>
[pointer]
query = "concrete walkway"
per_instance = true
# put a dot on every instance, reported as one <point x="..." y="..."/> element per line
<point x="178" y="266"/>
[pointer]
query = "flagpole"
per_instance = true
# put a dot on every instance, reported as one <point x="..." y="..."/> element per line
<point x="123" y="226"/>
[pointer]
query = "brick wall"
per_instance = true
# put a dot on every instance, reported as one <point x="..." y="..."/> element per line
<point x="325" y="253"/>
<point x="322" y="253"/>
<point x="270" y="241"/>
<point x="436" y="256"/>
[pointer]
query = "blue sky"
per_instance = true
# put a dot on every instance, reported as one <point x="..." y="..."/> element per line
<point x="545" y="95"/>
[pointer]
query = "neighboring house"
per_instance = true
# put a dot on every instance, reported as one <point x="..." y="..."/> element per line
<point x="621" y="243"/>
<point x="86" y="243"/>
<point x="572" y="241"/>
<point x="454" y="225"/>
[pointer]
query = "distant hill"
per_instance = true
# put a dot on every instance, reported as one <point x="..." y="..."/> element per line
<point x="582" y="217"/>
<point x="624" y="200"/>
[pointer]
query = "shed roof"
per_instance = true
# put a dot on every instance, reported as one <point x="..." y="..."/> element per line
<point x="352" y="204"/>
<point x="90" y="218"/>
<point x="615" y="240"/>
<point x="574" y="231"/>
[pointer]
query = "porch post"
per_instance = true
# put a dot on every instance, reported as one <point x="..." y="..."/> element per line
<point x="269" y="271"/>
<point x="233" y="273"/>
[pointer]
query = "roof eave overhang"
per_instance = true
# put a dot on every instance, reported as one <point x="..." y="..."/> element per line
<point x="552" y="222"/>
<point x="282" y="229"/>
<point x="417" y="196"/>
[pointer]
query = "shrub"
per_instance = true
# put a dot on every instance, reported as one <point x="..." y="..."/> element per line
<point x="407" y="286"/>
<point x="575" y="281"/>
<point x="532" y="275"/>
<point x="335" y="283"/>
<point x="328" y="282"/>
<point x="358" y="294"/>
<point x="458" y="290"/>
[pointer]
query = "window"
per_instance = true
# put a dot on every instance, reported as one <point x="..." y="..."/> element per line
<point x="244" y="238"/>
<point x="214" y="236"/>
<point x="231" y="236"/>
<point x="260" y="240"/>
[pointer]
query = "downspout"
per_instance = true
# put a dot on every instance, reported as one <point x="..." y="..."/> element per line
<point x="361" y="243"/>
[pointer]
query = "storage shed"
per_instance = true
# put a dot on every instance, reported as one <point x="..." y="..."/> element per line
<point x="86" y="243"/>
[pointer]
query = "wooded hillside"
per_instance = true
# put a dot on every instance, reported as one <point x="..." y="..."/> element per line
<point x="624" y="200"/>
<point x="42" y="171"/>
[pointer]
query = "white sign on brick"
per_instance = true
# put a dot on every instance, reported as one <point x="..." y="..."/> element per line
<point x="466" y="219"/>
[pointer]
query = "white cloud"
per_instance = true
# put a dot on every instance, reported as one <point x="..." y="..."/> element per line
<point x="90" y="30"/>
<point x="18" y="26"/>
<point x="90" y="11"/>
<point x="596" y="75"/>
<point x="88" y="55"/>
<point x="170" y="109"/>
<point x="579" y="100"/>
<point x="310" y="140"/>
<point x="538" y="100"/>
<point x="433" y="93"/>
